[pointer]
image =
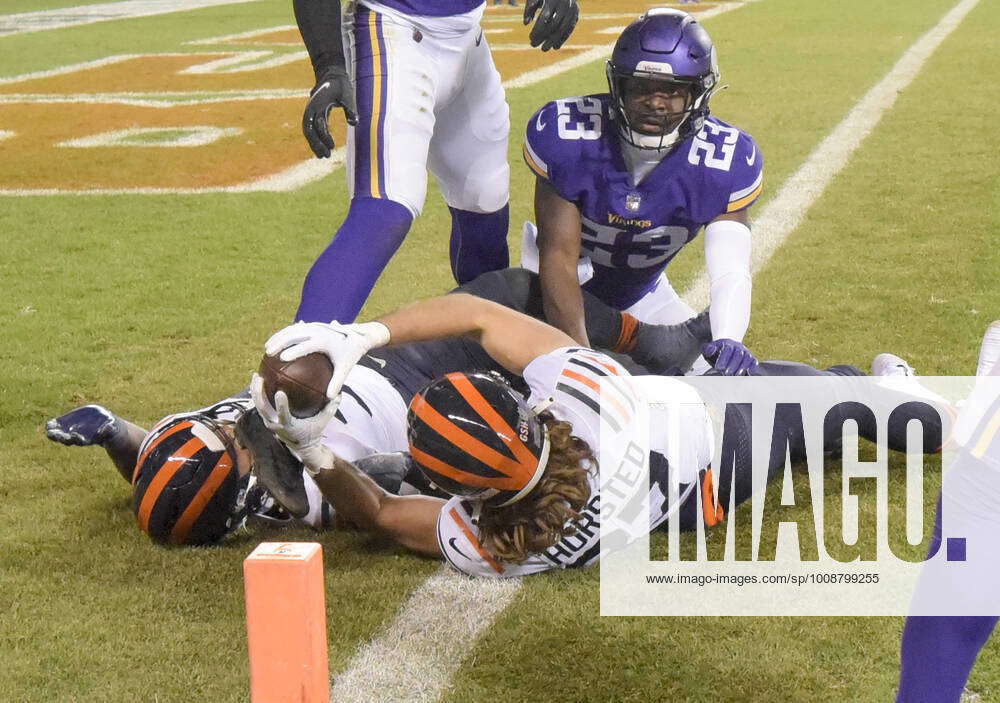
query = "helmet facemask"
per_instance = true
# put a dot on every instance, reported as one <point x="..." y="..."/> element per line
<point x="677" y="124"/>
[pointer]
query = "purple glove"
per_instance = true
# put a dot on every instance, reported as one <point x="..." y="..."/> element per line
<point x="729" y="357"/>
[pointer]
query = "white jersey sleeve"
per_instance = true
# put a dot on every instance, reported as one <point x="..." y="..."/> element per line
<point x="571" y="377"/>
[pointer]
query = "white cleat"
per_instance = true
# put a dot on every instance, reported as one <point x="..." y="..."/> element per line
<point x="891" y="365"/>
<point x="989" y="352"/>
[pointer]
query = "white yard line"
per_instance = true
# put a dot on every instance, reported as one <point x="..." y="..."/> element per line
<point x="785" y="211"/>
<point x="25" y="22"/>
<point x="421" y="643"/>
<point x="415" y="658"/>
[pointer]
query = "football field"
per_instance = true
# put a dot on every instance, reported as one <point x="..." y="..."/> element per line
<point x="159" y="209"/>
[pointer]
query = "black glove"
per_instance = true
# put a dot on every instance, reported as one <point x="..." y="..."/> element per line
<point x="333" y="89"/>
<point x="555" y="23"/>
<point x="84" y="427"/>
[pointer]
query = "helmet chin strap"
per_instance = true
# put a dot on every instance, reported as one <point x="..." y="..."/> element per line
<point x="659" y="141"/>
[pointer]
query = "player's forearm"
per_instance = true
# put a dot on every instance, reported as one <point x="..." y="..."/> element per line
<point x="562" y="299"/>
<point x="511" y="338"/>
<point x="319" y="25"/>
<point x="730" y="307"/>
<point x="123" y="448"/>
<point x="356" y="498"/>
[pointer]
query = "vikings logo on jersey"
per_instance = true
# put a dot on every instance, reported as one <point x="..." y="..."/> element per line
<point x="632" y="230"/>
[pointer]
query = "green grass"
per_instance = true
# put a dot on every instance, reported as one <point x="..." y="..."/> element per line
<point x="10" y="7"/>
<point x="157" y="303"/>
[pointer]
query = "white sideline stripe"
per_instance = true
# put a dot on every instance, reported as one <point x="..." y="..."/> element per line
<point x="778" y="219"/>
<point x="191" y="136"/>
<point x="160" y="100"/>
<point x="414" y="659"/>
<point x="784" y="213"/>
<point x="246" y="62"/>
<point x="293" y="178"/>
<point x="26" y="22"/>
<point x="240" y="59"/>
<point x="227" y="38"/>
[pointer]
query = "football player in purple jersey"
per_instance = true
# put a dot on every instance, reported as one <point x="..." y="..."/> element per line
<point x="418" y="87"/>
<point x="626" y="178"/>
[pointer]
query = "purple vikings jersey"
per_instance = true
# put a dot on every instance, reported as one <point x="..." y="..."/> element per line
<point x="631" y="232"/>
<point x="432" y="8"/>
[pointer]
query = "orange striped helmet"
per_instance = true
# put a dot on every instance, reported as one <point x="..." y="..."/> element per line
<point x="186" y="486"/>
<point x="472" y="435"/>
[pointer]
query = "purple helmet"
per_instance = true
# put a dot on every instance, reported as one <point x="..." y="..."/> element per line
<point x="664" y="45"/>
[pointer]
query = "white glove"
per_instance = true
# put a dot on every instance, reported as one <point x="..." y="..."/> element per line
<point x="343" y="344"/>
<point x="302" y="435"/>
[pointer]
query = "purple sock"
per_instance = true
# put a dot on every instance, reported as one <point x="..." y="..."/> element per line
<point x="938" y="652"/>
<point x="478" y="242"/>
<point x="339" y="282"/>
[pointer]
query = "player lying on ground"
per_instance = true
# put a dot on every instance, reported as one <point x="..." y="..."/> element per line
<point x="625" y="179"/>
<point x="191" y="471"/>
<point x="521" y="468"/>
<point x="938" y="651"/>
<point x="420" y="91"/>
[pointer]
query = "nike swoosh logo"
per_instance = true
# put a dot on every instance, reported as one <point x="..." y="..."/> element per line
<point x="539" y="125"/>
<point x="479" y="39"/>
<point x="380" y="362"/>
<point x="453" y="545"/>
<point x="753" y="156"/>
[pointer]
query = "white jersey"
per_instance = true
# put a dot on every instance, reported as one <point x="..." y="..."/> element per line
<point x="371" y="417"/>
<point x="571" y="377"/>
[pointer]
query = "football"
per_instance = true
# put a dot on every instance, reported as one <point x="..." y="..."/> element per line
<point x="304" y="381"/>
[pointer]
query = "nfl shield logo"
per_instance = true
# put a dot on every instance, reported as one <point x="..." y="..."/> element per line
<point x="632" y="201"/>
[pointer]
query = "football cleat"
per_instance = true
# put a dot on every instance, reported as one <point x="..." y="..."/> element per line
<point x="274" y="466"/>
<point x="989" y="352"/>
<point x="891" y="365"/>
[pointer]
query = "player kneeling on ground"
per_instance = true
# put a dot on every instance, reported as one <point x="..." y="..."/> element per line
<point x="626" y="179"/>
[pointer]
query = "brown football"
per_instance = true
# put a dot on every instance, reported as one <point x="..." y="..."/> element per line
<point x="304" y="381"/>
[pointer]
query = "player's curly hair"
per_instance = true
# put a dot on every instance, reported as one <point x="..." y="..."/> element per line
<point x="550" y="511"/>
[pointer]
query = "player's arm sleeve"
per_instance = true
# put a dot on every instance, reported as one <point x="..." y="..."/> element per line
<point x="727" y="260"/>
<point x="727" y="241"/>
<point x="746" y="175"/>
<point x="319" y="25"/>
<point x="539" y="149"/>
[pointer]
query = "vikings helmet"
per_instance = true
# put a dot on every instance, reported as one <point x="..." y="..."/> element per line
<point x="186" y="486"/>
<point x="668" y="45"/>
<point x="472" y="435"/>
